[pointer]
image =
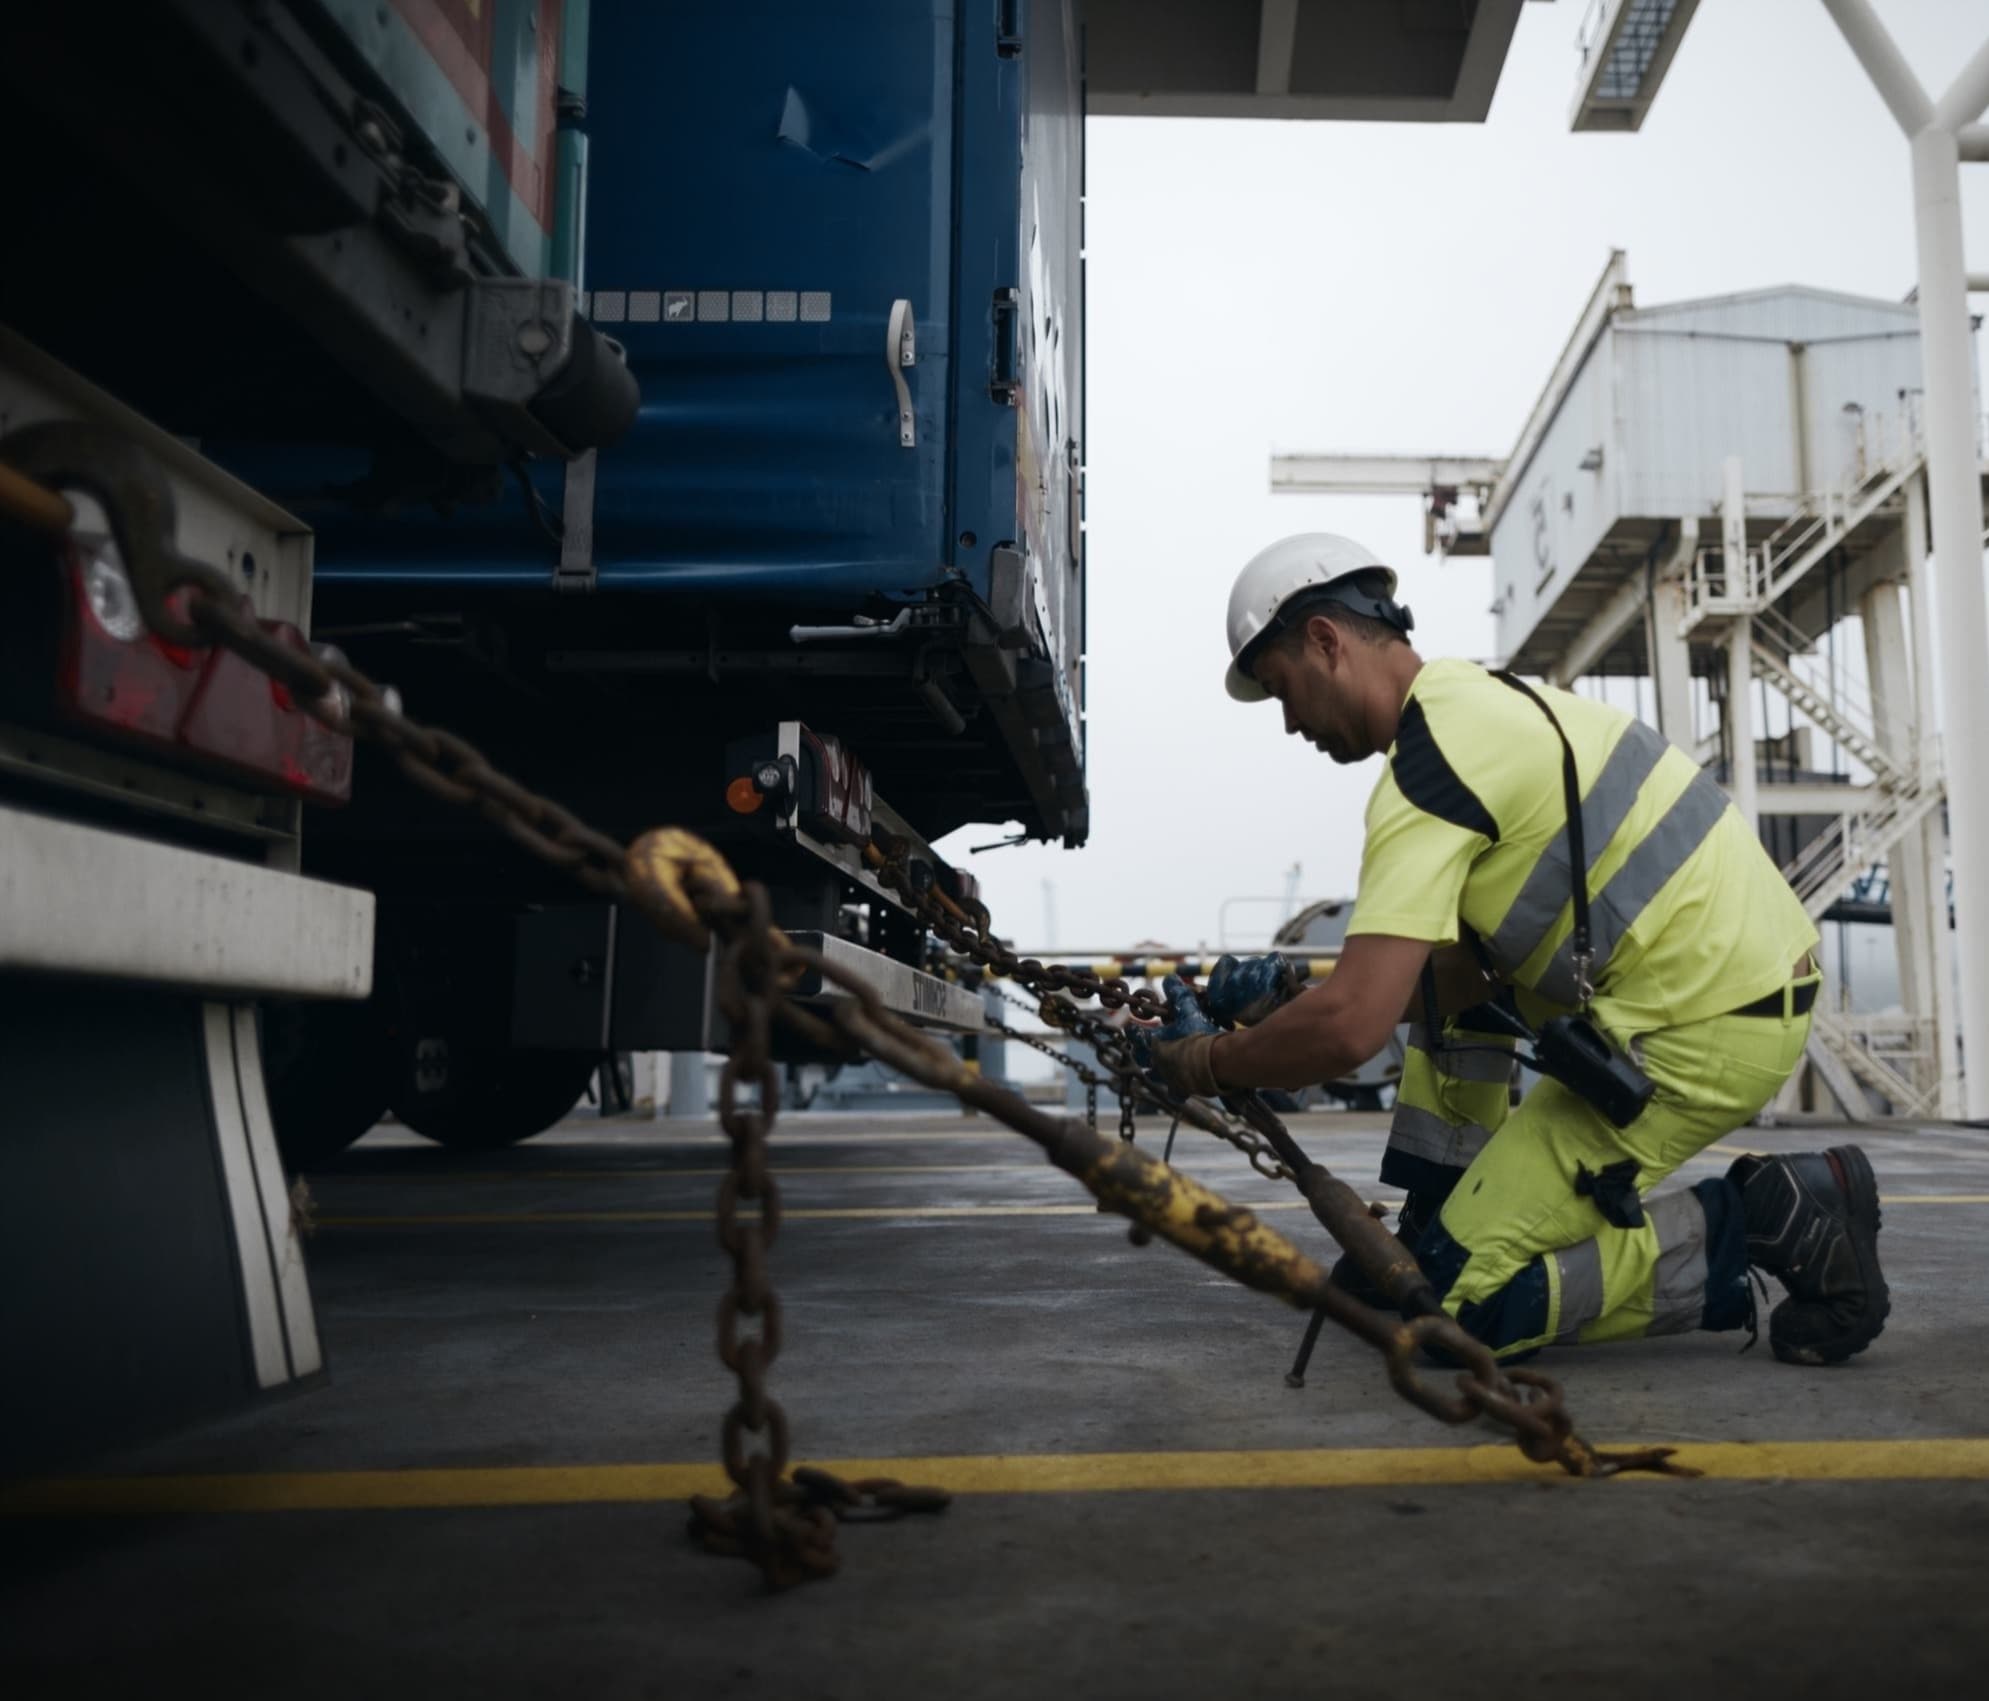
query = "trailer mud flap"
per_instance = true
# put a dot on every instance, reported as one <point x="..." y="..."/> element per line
<point x="150" y="1273"/>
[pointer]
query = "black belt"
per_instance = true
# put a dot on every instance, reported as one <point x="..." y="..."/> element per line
<point x="1772" y="1005"/>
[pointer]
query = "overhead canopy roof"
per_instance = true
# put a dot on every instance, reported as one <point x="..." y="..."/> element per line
<point x="1428" y="60"/>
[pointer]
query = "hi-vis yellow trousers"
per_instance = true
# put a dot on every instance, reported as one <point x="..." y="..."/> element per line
<point x="1522" y="1250"/>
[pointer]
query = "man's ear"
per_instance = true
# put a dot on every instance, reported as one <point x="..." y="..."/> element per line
<point x="1327" y="636"/>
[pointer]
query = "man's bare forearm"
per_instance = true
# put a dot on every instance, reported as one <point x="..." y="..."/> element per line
<point x="1306" y="1042"/>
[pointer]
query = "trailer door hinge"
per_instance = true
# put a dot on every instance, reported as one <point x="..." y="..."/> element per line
<point x="576" y="547"/>
<point x="1008" y="28"/>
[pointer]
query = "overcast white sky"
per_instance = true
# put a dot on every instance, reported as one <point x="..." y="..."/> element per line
<point x="1260" y="286"/>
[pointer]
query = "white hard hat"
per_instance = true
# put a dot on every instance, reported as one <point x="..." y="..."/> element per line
<point x="1308" y="562"/>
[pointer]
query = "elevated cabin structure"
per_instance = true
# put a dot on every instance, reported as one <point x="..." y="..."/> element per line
<point x="1703" y="495"/>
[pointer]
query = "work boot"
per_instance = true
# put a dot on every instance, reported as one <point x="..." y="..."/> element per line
<point x="1352" y="1280"/>
<point x="1812" y="1221"/>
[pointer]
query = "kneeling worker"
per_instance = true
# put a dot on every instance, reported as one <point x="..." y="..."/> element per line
<point x="1695" y="988"/>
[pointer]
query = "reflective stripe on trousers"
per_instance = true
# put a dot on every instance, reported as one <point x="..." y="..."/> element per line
<point x="1447" y="1105"/>
<point x="1678" y="1281"/>
<point x="1523" y="1259"/>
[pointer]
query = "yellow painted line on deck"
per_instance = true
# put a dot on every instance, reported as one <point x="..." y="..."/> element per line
<point x="1962" y="1460"/>
<point x="440" y="1177"/>
<point x="875" y="1213"/>
<point x="1934" y="1198"/>
<point x="988" y="1129"/>
<point x="844" y="1214"/>
<point x="806" y="1214"/>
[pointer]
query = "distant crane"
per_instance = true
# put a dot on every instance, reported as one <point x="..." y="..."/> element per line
<point x="1291" y="894"/>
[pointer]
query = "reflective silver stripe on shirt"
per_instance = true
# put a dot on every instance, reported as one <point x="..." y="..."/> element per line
<point x="1604" y="810"/>
<point x="1427" y="1135"/>
<point x="1678" y="1285"/>
<point x="1580" y="1270"/>
<point x="1658" y="856"/>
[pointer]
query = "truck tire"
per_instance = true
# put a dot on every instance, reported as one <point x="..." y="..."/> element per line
<point x="326" y="1069"/>
<point x="475" y="1098"/>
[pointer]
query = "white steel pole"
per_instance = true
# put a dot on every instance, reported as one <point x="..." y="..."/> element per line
<point x="1954" y="500"/>
<point x="1967" y="95"/>
<point x="1883" y="63"/>
<point x="1670" y="655"/>
<point x="1888" y="665"/>
<point x="689" y="1089"/>
<point x="1740" y="644"/>
<point x="1928" y="842"/>
<point x="1741" y="780"/>
<point x="1953" y="482"/>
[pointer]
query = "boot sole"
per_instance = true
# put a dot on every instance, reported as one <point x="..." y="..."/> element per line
<point x="1861" y="1201"/>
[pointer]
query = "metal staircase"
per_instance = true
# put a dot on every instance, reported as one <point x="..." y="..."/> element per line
<point x="1833" y="860"/>
<point x="1719" y="590"/>
<point x="1867" y="1061"/>
<point x="1848" y="1056"/>
<point x="1821" y="522"/>
<point x="1828" y="713"/>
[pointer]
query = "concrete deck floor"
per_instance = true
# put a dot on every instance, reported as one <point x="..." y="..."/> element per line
<point x="551" y="1305"/>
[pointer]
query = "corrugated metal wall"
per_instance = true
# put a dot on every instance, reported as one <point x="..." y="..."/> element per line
<point x="1667" y="393"/>
<point x="1704" y="380"/>
<point x="1560" y="510"/>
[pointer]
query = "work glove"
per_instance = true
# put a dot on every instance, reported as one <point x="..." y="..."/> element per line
<point x="1244" y="990"/>
<point x="1176" y="1052"/>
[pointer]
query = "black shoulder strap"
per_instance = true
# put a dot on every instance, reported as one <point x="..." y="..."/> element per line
<point x="1582" y="939"/>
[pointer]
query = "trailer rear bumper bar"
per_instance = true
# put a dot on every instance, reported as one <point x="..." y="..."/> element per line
<point x="80" y="900"/>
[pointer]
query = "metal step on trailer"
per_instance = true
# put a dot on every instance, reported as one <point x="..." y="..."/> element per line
<point x="912" y="993"/>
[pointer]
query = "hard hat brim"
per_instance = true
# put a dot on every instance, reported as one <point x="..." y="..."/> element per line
<point x="1243" y="686"/>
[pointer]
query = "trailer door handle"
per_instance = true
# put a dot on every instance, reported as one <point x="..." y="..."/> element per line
<point x="1003" y="382"/>
<point x="900" y="351"/>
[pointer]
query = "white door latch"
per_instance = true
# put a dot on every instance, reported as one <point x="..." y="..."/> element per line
<point x="900" y="351"/>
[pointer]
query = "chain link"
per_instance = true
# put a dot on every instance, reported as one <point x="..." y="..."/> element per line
<point x="1134" y="1085"/>
<point x="786" y="1524"/>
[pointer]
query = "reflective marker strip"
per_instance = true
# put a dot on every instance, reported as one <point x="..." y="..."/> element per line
<point x="1544" y="895"/>
<point x="286" y="1246"/>
<point x="1658" y="857"/>
<point x="268" y="1344"/>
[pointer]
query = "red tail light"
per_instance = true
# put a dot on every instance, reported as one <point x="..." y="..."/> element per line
<point x="203" y="703"/>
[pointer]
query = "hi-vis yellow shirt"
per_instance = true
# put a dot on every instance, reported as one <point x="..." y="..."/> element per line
<point x="1689" y="917"/>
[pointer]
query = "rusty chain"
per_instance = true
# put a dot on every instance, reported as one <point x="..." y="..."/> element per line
<point x="1132" y="1083"/>
<point x="677" y="891"/>
<point x="785" y="1524"/>
<point x="1531" y="1404"/>
<point x="1114" y="1050"/>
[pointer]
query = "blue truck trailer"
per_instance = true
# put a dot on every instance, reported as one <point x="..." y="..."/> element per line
<point x="701" y="398"/>
<point x="682" y="401"/>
